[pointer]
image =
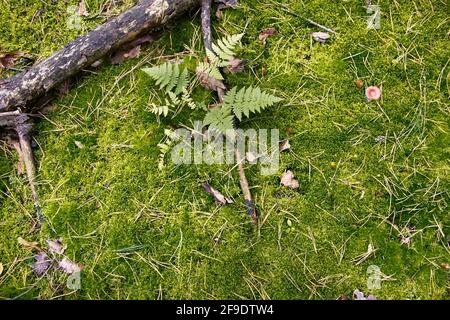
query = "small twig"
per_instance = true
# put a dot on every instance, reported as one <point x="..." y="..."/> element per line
<point x="9" y="113"/>
<point x="23" y="128"/>
<point x="308" y="20"/>
<point x="206" y="29"/>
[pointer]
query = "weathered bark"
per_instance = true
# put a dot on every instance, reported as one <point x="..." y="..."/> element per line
<point x="19" y="92"/>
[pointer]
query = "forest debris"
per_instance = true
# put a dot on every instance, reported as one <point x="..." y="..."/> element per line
<point x="359" y="83"/>
<point x="56" y="246"/>
<point x="263" y="35"/>
<point x="285" y="145"/>
<point x="28" y="244"/>
<point x="122" y="55"/>
<point x="68" y="266"/>
<point x="358" y="295"/>
<point x="7" y="60"/>
<point x="79" y="144"/>
<point x="320" y="36"/>
<point x="41" y="264"/>
<point x="1" y="268"/>
<point x="218" y="197"/>
<point x="287" y="180"/>
<point x="236" y="65"/>
<point x="82" y="11"/>
<point x="133" y="49"/>
<point x="209" y="82"/>
<point x="224" y="4"/>
<point x="251" y="157"/>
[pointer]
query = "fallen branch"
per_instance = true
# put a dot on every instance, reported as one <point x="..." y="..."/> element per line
<point x="19" y="92"/>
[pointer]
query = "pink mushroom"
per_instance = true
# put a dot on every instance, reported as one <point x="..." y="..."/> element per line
<point x="373" y="93"/>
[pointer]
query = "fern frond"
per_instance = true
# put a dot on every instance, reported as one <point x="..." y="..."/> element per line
<point x="210" y="69"/>
<point x="248" y="100"/>
<point x="219" y="118"/>
<point x="168" y="76"/>
<point x="164" y="147"/>
<point x="224" y="49"/>
<point x="187" y="99"/>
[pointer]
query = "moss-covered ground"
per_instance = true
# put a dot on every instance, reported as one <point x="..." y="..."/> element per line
<point x="142" y="233"/>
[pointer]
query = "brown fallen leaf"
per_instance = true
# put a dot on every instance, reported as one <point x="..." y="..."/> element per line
<point x="7" y="60"/>
<point x="444" y="265"/>
<point x="236" y="65"/>
<point x="359" y="83"/>
<point x="263" y="35"/>
<point x="28" y="244"/>
<point x="218" y="197"/>
<point x="358" y="295"/>
<point x="82" y="11"/>
<point x="224" y="4"/>
<point x="121" y="55"/>
<point x="285" y="145"/>
<point x="69" y="267"/>
<point x="209" y="82"/>
<point x="56" y="246"/>
<point x="42" y="263"/>
<point x="132" y="49"/>
<point x="320" y="36"/>
<point x="287" y="180"/>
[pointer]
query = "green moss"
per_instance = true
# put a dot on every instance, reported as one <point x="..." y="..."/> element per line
<point x="144" y="234"/>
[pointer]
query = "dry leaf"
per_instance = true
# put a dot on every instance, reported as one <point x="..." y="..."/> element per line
<point x="28" y="244"/>
<point x="266" y="33"/>
<point x="251" y="157"/>
<point x="285" y="145"/>
<point x="236" y="65"/>
<point x="7" y="60"/>
<point x="132" y="49"/>
<point x="358" y="295"/>
<point x="287" y="179"/>
<point x="444" y="265"/>
<point x="41" y="264"/>
<point x="224" y="4"/>
<point x="56" y="246"/>
<point x="79" y="144"/>
<point x="209" y="82"/>
<point x="320" y="36"/>
<point x="121" y="55"/>
<point x="82" y="11"/>
<point x="218" y="197"/>
<point x="68" y="266"/>
<point x="359" y="83"/>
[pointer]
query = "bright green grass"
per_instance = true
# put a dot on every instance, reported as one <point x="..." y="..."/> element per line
<point x="353" y="191"/>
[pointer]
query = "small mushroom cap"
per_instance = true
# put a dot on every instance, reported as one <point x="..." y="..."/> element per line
<point x="373" y="93"/>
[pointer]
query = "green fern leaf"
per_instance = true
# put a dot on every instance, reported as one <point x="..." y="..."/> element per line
<point x="219" y="118"/>
<point x="248" y="100"/>
<point x="168" y="76"/>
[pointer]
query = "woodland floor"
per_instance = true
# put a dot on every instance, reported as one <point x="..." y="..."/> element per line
<point x="142" y="233"/>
